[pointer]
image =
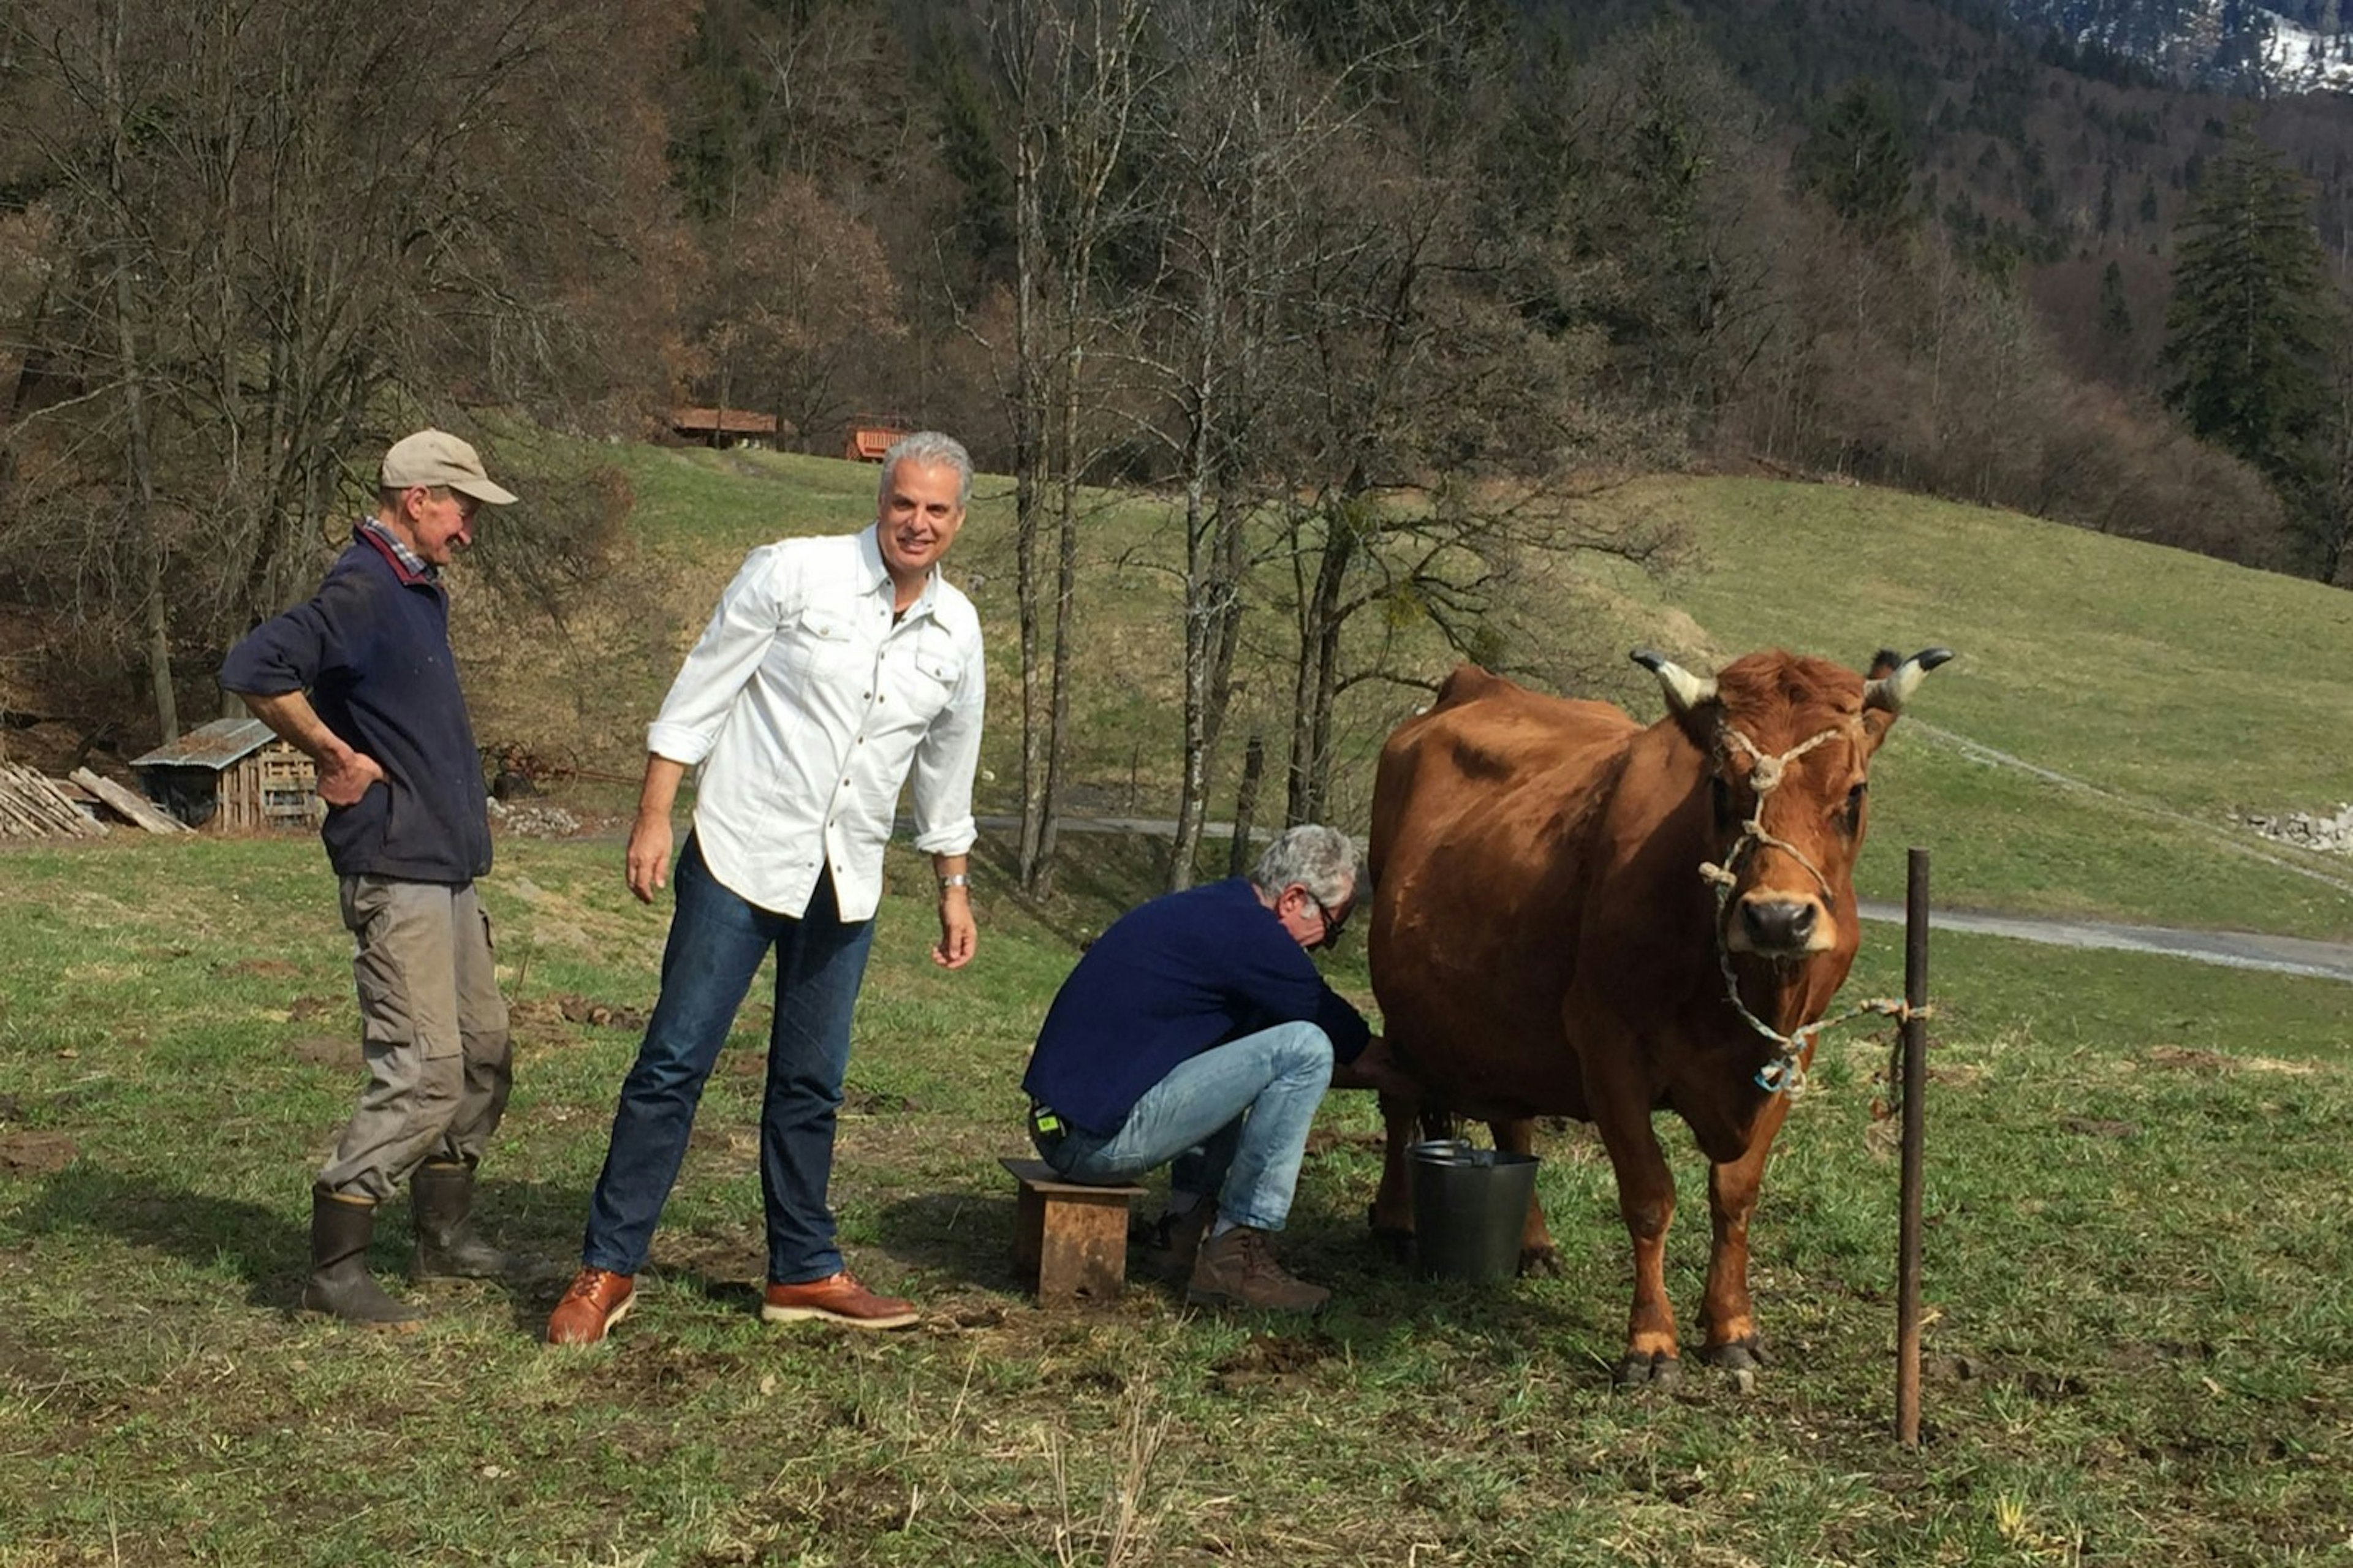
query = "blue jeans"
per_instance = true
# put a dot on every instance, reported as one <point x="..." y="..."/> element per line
<point x="1247" y="1104"/>
<point x="716" y="943"/>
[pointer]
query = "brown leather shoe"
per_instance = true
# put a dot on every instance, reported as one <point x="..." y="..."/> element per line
<point x="597" y="1300"/>
<point x="839" y="1298"/>
<point x="1239" y="1270"/>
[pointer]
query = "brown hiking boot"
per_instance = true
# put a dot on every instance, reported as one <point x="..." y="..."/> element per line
<point x="597" y="1300"/>
<point x="1239" y="1270"/>
<point x="838" y="1298"/>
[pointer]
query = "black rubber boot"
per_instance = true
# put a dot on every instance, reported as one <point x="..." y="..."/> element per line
<point x="340" y="1284"/>
<point x="440" y="1195"/>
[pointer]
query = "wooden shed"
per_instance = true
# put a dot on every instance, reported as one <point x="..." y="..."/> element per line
<point x="870" y="436"/>
<point x="235" y="775"/>
<point x="725" y="427"/>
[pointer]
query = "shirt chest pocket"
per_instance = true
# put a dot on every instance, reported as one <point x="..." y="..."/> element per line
<point x="820" y="641"/>
<point x="923" y="680"/>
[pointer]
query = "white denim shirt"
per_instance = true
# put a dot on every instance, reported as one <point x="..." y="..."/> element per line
<point x="806" y="709"/>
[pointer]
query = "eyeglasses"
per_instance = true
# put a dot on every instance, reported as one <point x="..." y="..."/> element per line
<point x="1333" y="929"/>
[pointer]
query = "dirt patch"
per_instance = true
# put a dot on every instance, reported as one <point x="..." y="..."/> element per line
<point x="267" y="968"/>
<point x="2037" y="1382"/>
<point x="36" y="1154"/>
<point x="23" y="1365"/>
<point x="2141" y="1356"/>
<point x="577" y="1009"/>
<point x="2274" y="1064"/>
<point x="2190" y="1060"/>
<point x="326" y="1051"/>
<point x="303" y="1007"/>
<point x="1271" y="1358"/>
<point x="545" y="1016"/>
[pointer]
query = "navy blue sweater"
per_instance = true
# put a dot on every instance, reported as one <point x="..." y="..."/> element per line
<point x="372" y="648"/>
<point x="1180" y="975"/>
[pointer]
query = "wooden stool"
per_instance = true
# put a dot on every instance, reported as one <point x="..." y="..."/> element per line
<point x="1070" y="1238"/>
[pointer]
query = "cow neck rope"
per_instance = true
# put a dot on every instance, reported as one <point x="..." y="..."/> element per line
<point x="1785" y="1073"/>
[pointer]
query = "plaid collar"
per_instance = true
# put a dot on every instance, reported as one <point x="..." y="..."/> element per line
<point x="411" y="561"/>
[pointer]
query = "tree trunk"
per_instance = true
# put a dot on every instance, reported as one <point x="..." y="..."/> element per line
<point x="1237" y="854"/>
<point x="1316" y="680"/>
<point x="1028" y="464"/>
<point x="138" y="456"/>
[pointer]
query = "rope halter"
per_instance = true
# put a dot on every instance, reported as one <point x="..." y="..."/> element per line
<point x="1785" y="1073"/>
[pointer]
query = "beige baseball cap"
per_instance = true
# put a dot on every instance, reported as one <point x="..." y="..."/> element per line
<point x="440" y="459"/>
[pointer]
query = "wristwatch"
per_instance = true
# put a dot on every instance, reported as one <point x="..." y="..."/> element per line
<point x="956" y="879"/>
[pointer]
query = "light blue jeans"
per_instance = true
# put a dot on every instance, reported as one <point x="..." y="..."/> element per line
<point x="1247" y="1105"/>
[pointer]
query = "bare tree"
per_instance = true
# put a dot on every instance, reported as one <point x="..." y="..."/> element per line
<point x="1070" y="74"/>
<point x="282" y="231"/>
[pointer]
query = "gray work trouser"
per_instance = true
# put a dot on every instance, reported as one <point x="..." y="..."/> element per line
<point x="434" y="1030"/>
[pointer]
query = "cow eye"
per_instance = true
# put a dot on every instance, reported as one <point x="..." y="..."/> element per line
<point x="1855" y="804"/>
<point x="1719" y="795"/>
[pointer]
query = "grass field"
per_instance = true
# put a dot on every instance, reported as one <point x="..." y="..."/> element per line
<point x="2137" y="1346"/>
<point x="2140" y="1344"/>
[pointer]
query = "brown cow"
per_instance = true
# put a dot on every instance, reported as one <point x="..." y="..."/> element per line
<point x="1562" y="899"/>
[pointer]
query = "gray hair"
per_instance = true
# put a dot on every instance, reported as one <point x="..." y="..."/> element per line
<point x="932" y="449"/>
<point x="1321" y="859"/>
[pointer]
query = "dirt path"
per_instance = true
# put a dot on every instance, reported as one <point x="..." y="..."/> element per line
<point x="2234" y="950"/>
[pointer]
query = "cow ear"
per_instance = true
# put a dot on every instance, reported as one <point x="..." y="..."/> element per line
<point x="1885" y="694"/>
<point x="1687" y="694"/>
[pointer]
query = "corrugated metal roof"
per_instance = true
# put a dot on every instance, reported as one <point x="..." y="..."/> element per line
<point x="215" y="745"/>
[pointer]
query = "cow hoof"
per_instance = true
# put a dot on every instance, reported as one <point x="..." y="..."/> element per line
<point x="1542" y="1260"/>
<point x="1657" y="1370"/>
<point x="1397" y="1244"/>
<point x="1737" y="1355"/>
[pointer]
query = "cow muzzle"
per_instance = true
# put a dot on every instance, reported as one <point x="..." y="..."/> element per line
<point x="1776" y="925"/>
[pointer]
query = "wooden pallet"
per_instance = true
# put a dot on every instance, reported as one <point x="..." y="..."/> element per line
<point x="33" y="808"/>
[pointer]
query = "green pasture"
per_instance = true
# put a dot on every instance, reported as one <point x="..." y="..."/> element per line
<point x="2137" y="1351"/>
<point x="2114" y="703"/>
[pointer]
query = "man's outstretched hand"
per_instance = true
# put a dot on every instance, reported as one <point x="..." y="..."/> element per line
<point x="1375" y="1067"/>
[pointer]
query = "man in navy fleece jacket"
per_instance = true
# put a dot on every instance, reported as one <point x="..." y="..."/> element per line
<point x="361" y="679"/>
<point x="1199" y="1020"/>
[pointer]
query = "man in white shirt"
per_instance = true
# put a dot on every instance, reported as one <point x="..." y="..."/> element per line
<point x="833" y="671"/>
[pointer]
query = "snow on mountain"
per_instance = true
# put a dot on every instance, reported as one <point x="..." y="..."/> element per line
<point x="2231" y="44"/>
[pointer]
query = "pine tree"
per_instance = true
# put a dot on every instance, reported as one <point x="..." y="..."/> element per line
<point x="2115" y="314"/>
<point x="1859" y="159"/>
<point x="2252" y="317"/>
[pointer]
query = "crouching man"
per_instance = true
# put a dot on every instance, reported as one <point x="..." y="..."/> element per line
<point x="1198" y="1025"/>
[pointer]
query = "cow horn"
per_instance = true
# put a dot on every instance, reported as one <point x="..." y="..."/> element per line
<point x="1684" y="690"/>
<point x="1895" y="688"/>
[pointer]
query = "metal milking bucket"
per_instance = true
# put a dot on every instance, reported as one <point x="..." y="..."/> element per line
<point x="1469" y="1208"/>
